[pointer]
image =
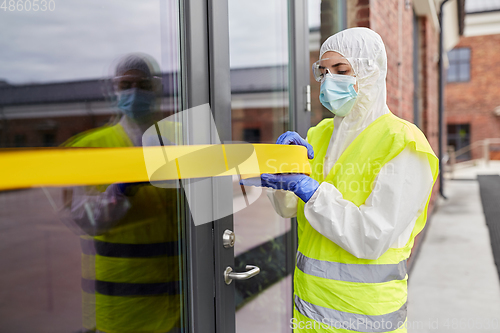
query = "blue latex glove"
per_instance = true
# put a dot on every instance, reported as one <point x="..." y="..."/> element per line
<point x="293" y="138"/>
<point x="303" y="186"/>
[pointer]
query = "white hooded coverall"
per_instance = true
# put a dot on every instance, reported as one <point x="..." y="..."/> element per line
<point x="403" y="185"/>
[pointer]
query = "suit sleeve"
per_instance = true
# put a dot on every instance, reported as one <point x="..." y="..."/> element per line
<point x="283" y="202"/>
<point x="400" y="194"/>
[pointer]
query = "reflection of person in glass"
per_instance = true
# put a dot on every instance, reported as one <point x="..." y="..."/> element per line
<point x="130" y="262"/>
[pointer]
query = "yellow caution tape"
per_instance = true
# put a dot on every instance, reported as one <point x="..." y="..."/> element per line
<point x="92" y="166"/>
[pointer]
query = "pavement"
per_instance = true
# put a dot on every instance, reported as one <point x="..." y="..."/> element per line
<point x="454" y="285"/>
<point x="41" y="278"/>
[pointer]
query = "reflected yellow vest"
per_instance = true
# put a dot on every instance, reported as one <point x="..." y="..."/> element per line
<point x="130" y="274"/>
<point x="334" y="290"/>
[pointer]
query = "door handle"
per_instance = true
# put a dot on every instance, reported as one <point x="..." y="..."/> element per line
<point x="229" y="275"/>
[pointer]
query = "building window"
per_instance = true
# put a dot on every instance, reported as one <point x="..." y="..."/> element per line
<point x="251" y="135"/>
<point x="48" y="139"/>
<point x="19" y="140"/>
<point x="459" y="70"/>
<point x="459" y="137"/>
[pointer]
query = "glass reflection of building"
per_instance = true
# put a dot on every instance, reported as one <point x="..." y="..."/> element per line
<point x="46" y="115"/>
<point x="52" y="89"/>
<point x="87" y="258"/>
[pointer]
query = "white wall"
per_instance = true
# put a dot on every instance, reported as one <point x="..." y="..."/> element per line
<point x="482" y="24"/>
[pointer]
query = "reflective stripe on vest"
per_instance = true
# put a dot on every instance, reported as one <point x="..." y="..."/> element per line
<point x="352" y="321"/>
<point x="130" y="289"/>
<point x="119" y="250"/>
<point x="351" y="272"/>
<point x="332" y="286"/>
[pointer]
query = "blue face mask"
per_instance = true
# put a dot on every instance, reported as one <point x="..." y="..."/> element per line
<point x="337" y="93"/>
<point x="136" y="103"/>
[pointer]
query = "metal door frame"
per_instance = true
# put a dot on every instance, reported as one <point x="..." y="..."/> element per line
<point x="205" y="65"/>
<point x="200" y="270"/>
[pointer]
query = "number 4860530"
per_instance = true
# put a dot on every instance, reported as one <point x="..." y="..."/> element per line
<point x="28" y="5"/>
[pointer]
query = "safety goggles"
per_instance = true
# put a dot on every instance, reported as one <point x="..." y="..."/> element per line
<point x="333" y="66"/>
<point x="126" y="82"/>
<point x="342" y="66"/>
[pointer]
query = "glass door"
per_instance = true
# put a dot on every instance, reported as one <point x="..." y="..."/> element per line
<point x="89" y="257"/>
<point x="121" y="254"/>
<point x="264" y="75"/>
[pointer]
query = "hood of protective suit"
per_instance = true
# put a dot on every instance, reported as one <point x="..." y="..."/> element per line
<point x="365" y="51"/>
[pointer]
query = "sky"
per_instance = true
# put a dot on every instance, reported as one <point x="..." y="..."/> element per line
<point x="314" y="11"/>
<point x="82" y="39"/>
<point x="258" y="31"/>
<point x="481" y="5"/>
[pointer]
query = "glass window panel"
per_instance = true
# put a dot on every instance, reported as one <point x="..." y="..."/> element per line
<point x="452" y="73"/>
<point x="89" y="258"/>
<point x="459" y="68"/>
<point x="464" y="72"/>
<point x="315" y="37"/>
<point x="459" y="137"/>
<point x="453" y="55"/>
<point x="464" y="54"/>
<point x="320" y="29"/>
<point x="258" y="32"/>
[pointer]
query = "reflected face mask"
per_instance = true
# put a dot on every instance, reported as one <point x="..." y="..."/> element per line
<point x="136" y="103"/>
<point x="337" y="93"/>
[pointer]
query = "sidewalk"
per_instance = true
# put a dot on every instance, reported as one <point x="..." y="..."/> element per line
<point x="454" y="286"/>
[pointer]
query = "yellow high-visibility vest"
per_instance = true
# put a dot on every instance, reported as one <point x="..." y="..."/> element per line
<point x="334" y="290"/>
<point x="130" y="273"/>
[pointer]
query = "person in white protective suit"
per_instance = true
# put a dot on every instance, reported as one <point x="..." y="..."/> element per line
<point x="365" y="200"/>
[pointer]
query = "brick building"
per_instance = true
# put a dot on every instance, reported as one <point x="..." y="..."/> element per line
<point x="410" y="30"/>
<point x="472" y="92"/>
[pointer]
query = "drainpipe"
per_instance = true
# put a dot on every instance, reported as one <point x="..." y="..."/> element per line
<point x="441" y="99"/>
